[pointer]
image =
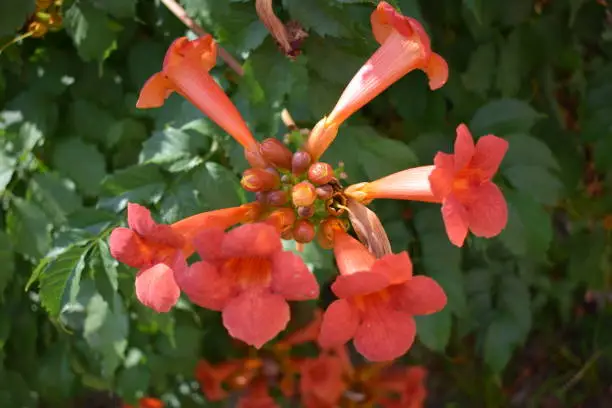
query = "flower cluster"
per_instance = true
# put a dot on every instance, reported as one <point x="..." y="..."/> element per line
<point x="243" y="271"/>
<point x="323" y="380"/>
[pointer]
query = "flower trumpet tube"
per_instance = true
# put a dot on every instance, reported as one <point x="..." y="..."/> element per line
<point x="377" y="301"/>
<point x="186" y="71"/>
<point x="404" y="47"/>
<point x="160" y="250"/>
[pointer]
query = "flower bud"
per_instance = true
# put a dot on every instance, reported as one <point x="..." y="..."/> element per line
<point x="303" y="194"/>
<point x="325" y="233"/>
<point x="255" y="159"/>
<point x="277" y="198"/>
<point x="303" y="231"/>
<point x="320" y="173"/>
<point x="324" y="192"/>
<point x="306" y="212"/>
<point x="276" y="153"/>
<point x="255" y="180"/>
<point x="282" y="219"/>
<point x="300" y="162"/>
<point x="261" y="197"/>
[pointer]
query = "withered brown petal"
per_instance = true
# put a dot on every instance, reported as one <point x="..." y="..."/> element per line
<point x="369" y="229"/>
<point x="276" y="27"/>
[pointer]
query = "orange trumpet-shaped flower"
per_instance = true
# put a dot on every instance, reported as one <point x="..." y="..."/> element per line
<point x="377" y="301"/>
<point x="159" y="250"/>
<point x="246" y="274"/>
<point x="185" y="71"/>
<point x="462" y="182"/>
<point x="404" y="47"/>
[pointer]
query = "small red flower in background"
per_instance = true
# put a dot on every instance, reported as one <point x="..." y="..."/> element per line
<point x="159" y="250"/>
<point x="246" y="274"/>
<point x="257" y="396"/>
<point x="147" y="402"/>
<point x="462" y="181"/>
<point x="322" y="381"/>
<point x="404" y="47"/>
<point x="378" y="299"/>
<point x="212" y="377"/>
<point x="185" y="70"/>
<point x="408" y="385"/>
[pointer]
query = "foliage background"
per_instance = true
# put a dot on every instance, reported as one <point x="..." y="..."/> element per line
<point x="529" y="321"/>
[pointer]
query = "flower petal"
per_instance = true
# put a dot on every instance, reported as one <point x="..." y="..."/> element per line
<point x="487" y="213"/>
<point x="490" y="151"/>
<point x="464" y="147"/>
<point x="442" y="177"/>
<point x="419" y="296"/>
<point x="251" y="240"/>
<point x="437" y="71"/>
<point x="396" y="267"/>
<point x="256" y="316"/>
<point x="339" y="325"/>
<point x="384" y="334"/>
<point x="208" y="244"/>
<point x="156" y="288"/>
<point x="351" y="255"/>
<point x="410" y="184"/>
<point x="204" y="286"/>
<point x="140" y="220"/>
<point x="291" y="277"/>
<point x="154" y="92"/>
<point x="455" y="220"/>
<point x="359" y="283"/>
<point x="126" y="246"/>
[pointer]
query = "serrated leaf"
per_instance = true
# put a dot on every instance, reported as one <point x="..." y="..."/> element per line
<point x="117" y="8"/>
<point x="500" y="340"/>
<point x="524" y="149"/>
<point x="28" y="227"/>
<point x="503" y="117"/>
<point x="170" y="145"/>
<point x="7" y="260"/>
<point x="317" y="15"/>
<point x="535" y="181"/>
<point x="140" y="183"/>
<point x="60" y="280"/>
<point x="55" y="196"/>
<point x="509" y="69"/>
<point x="481" y="70"/>
<point x="515" y="300"/>
<point x="217" y="186"/>
<point x="434" y="330"/>
<point x="83" y="113"/>
<point x="88" y="171"/>
<point x="55" y="376"/>
<point x="7" y="168"/>
<point x="92" y="32"/>
<point x="106" y="329"/>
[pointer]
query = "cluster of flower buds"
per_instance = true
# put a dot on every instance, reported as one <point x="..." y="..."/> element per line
<point x="243" y="271"/>
<point x="47" y="17"/>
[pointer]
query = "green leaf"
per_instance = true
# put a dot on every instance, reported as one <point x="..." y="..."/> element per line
<point x="524" y="149"/>
<point x="475" y="6"/>
<point x="509" y="69"/>
<point x="83" y="114"/>
<point x="317" y="15"/>
<point x="118" y="8"/>
<point x="13" y="15"/>
<point x="7" y="260"/>
<point x="141" y="51"/>
<point x="55" y="196"/>
<point x="28" y="227"/>
<point x="529" y="229"/>
<point x="481" y="70"/>
<point x="218" y="187"/>
<point x="500" y="340"/>
<point x="140" y="184"/>
<point x="55" y="376"/>
<point x="106" y="330"/>
<point x="503" y="117"/>
<point x="7" y="168"/>
<point x="535" y="181"/>
<point x="181" y="201"/>
<point x="171" y="145"/>
<point x="88" y="171"/>
<point x="60" y="279"/>
<point x="515" y="300"/>
<point x="434" y="330"/>
<point x="92" y="32"/>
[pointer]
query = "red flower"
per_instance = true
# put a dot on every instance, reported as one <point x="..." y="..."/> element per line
<point x="246" y="274"/>
<point x="257" y="396"/>
<point x="185" y="70"/>
<point x="321" y="382"/>
<point x="462" y="182"/>
<point x="147" y="402"/>
<point x="212" y="377"/>
<point x="407" y="383"/>
<point x="378" y="298"/>
<point x="159" y="250"/>
<point x="404" y="47"/>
